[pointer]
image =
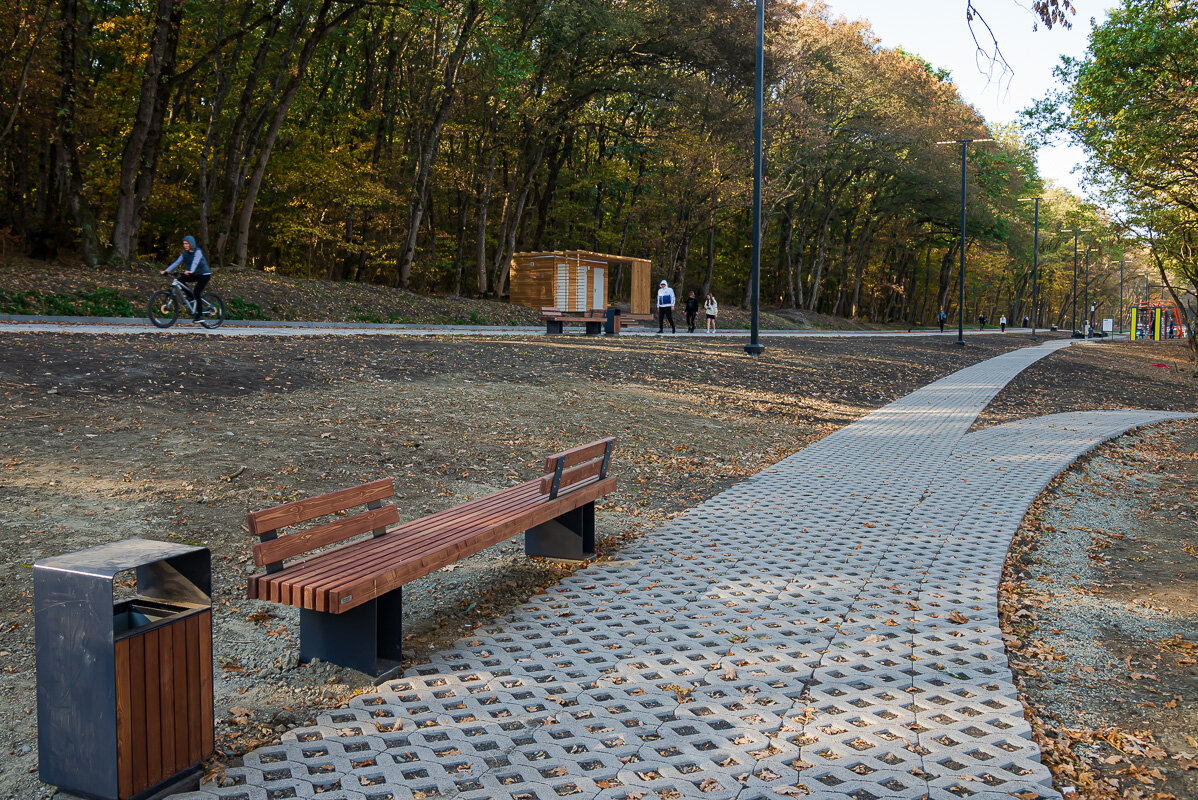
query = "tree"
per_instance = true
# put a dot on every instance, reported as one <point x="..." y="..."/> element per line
<point x="1130" y="102"/>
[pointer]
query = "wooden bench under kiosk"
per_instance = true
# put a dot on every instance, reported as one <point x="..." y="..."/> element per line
<point x="350" y="592"/>
<point x="556" y="320"/>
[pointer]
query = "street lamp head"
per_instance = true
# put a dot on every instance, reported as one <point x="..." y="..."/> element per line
<point x="963" y="141"/>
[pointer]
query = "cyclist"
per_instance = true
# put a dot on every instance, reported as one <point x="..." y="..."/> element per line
<point x="195" y="270"/>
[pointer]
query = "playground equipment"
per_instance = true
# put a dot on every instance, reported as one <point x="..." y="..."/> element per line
<point x="1156" y="320"/>
<point x="576" y="280"/>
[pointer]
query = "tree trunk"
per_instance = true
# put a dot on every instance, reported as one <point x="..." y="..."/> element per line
<point x="69" y="170"/>
<point x="322" y="28"/>
<point x="509" y="245"/>
<point x="710" y="254"/>
<point x="428" y="148"/>
<point x="139" y="161"/>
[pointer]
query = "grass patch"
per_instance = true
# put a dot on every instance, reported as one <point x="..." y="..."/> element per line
<point x="237" y="308"/>
<point x="103" y="302"/>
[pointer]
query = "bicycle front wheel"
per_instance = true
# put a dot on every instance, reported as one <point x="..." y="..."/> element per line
<point x="163" y="308"/>
<point x="213" y="313"/>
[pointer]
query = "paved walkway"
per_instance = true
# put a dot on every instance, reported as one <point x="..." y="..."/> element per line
<point x="114" y="325"/>
<point x="830" y="622"/>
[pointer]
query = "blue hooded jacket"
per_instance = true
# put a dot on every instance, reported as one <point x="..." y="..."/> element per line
<point x="192" y="260"/>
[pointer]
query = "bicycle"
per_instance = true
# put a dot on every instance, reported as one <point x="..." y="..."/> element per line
<point x="164" y="305"/>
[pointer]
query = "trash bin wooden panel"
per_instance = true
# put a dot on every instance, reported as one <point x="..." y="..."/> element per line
<point x="164" y="700"/>
<point x="124" y="688"/>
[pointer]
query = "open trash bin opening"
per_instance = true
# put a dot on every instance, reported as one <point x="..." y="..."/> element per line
<point x="124" y="667"/>
<point x="138" y="616"/>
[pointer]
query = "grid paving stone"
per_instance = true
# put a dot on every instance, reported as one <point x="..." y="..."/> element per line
<point x="831" y="621"/>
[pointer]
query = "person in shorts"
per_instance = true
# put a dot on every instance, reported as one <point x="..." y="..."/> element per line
<point x="712" y="309"/>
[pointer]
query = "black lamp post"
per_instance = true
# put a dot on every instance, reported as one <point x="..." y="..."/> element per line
<point x="755" y="347"/>
<point x="961" y="276"/>
<point x="1073" y="321"/>
<point x="1035" y="262"/>
<point x="1086" y="291"/>
<point x="1120" y="295"/>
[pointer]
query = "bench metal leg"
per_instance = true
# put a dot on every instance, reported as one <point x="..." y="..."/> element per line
<point x="594" y="328"/>
<point x="367" y="638"/>
<point x="570" y="536"/>
<point x="552" y="327"/>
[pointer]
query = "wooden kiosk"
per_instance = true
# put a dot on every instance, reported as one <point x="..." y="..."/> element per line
<point x="576" y="280"/>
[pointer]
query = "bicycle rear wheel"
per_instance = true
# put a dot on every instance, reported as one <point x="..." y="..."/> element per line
<point x="163" y="308"/>
<point x="213" y="313"/>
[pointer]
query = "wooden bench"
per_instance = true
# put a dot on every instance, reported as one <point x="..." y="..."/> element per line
<point x="555" y="320"/>
<point x="350" y="592"/>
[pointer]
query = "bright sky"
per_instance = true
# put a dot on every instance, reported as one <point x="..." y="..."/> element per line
<point x="938" y="31"/>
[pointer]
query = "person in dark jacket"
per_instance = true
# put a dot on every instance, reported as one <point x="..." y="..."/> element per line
<point x="692" y="309"/>
<point x="195" y="270"/>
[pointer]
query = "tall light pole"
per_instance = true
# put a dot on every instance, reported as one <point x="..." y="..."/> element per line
<point x="755" y="347"/>
<point x="961" y="276"/>
<point x="1073" y="322"/>
<point x="1086" y="291"/>
<point x="1120" y="295"/>
<point x="1035" y="261"/>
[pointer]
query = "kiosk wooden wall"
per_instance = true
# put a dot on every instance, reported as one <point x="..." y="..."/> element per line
<point x="576" y="280"/>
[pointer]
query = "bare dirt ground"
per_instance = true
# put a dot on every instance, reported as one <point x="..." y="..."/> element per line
<point x="176" y="438"/>
<point x="1101" y="618"/>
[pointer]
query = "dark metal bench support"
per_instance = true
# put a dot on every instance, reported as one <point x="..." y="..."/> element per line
<point x="553" y="326"/>
<point x="594" y="327"/>
<point x="570" y="536"/>
<point x="367" y="638"/>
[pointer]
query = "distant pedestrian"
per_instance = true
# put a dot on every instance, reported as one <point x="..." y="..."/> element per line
<point x="981" y="322"/>
<point x="712" y="308"/>
<point x="692" y="309"/>
<point x="1002" y="323"/>
<point x="665" y="307"/>
<point x="941" y="317"/>
<point x="1027" y="322"/>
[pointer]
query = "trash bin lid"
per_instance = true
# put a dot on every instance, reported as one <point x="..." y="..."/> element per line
<point x="106" y="560"/>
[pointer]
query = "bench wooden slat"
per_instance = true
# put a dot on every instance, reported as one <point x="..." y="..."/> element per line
<point x="316" y="573"/>
<point x="294" y="513"/>
<point x="577" y="455"/>
<point x="573" y="475"/>
<point x="401" y="560"/>
<point x="413" y="535"/>
<point x="406" y="572"/>
<point x="339" y="530"/>
<point x="417" y="535"/>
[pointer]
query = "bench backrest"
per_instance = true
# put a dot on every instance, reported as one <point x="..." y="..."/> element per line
<point x="273" y="548"/>
<point x="550" y="311"/>
<point x="570" y="467"/>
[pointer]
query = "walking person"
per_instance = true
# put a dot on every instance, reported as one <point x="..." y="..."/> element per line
<point x="981" y="322"/>
<point x="712" y="309"/>
<point x="941" y="317"/>
<point x="665" y="307"/>
<point x="1002" y="323"/>
<point x="692" y="309"/>
<point x="195" y="270"/>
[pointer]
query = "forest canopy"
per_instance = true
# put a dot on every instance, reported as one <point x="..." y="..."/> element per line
<point x="420" y="144"/>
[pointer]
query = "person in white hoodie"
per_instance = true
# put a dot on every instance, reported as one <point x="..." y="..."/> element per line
<point x="713" y="309"/>
<point x="665" y="308"/>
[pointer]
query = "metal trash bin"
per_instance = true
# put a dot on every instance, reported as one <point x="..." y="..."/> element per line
<point x="611" y="321"/>
<point x="124" y="671"/>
